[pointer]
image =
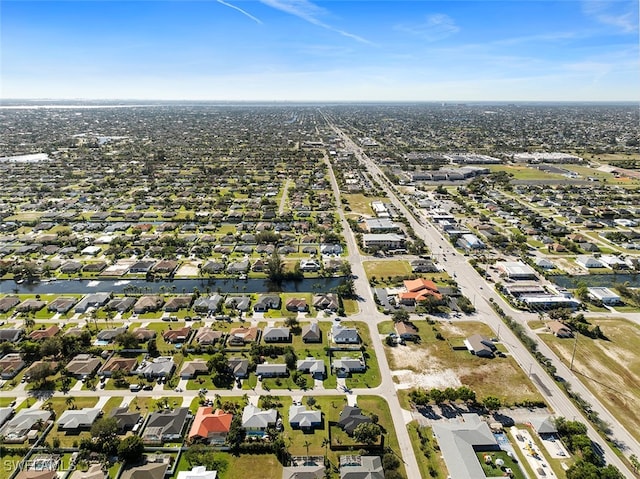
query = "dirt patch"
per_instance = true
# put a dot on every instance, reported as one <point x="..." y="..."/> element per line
<point x="413" y="358"/>
<point x="451" y="330"/>
<point x="187" y="270"/>
<point x="440" y="379"/>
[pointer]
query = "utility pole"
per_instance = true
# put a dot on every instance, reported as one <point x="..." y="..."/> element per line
<point x="573" y="355"/>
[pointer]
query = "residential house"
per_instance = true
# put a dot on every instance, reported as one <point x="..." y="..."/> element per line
<point x="178" y="303"/>
<point x="361" y="467"/>
<point x="191" y="369"/>
<point x="148" y="303"/>
<point x="23" y="426"/>
<point x="350" y="418"/>
<point x="198" y="472"/>
<point x="238" y="267"/>
<point x="311" y="333"/>
<point x="166" y="266"/>
<point x="297" y="305"/>
<point x="160" y="367"/>
<point x="213" y="267"/>
<point x="144" y="334"/>
<point x="315" y="367"/>
<point x="94" y="300"/>
<point x="211" y="304"/>
<point x="588" y="262"/>
<point x="242" y="336"/>
<point x="344" y="367"/>
<point x="61" y="305"/>
<point x="166" y="425"/>
<point x="109" y="335"/>
<point x="120" y="305"/>
<point x="10" y="365"/>
<point x="407" y="331"/>
<point x="326" y="301"/>
<point x="480" y="346"/>
<point x="150" y="470"/>
<point x="267" y="370"/>
<point x="241" y="303"/>
<point x="266" y="302"/>
<point x="239" y="367"/>
<point x="255" y="420"/>
<point x="210" y="426"/>
<point x="42" y="334"/>
<point x="127" y="365"/>
<point x="559" y="329"/>
<point x="125" y="419"/>
<point x="177" y="335"/>
<point x="276" y="334"/>
<point x="304" y="471"/>
<point x="141" y="267"/>
<point x="309" y="265"/>
<point x="605" y="295"/>
<point x="75" y="419"/>
<point x="11" y="335"/>
<point x="30" y="305"/>
<point x="7" y="303"/>
<point x="207" y="336"/>
<point x="344" y="335"/>
<point x="302" y="418"/>
<point x="83" y="365"/>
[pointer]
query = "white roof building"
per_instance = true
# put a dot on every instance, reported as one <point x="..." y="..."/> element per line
<point x="605" y="295"/>
<point x="198" y="472"/>
<point x="516" y="269"/>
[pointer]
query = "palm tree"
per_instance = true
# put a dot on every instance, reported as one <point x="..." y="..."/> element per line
<point x="325" y="444"/>
<point x="70" y="402"/>
<point x="306" y="445"/>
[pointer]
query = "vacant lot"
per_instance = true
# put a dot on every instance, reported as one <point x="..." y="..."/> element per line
<point x="384" y="269"/>
<point x="434" y="364"/>
<point x="611" y="369"/>
<point x="360" y="204"/>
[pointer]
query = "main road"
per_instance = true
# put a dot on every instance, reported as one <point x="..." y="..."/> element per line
<point x="480" y="291"/>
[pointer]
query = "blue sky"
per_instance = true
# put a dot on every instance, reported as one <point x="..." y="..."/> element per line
<point x="303" y="50"/>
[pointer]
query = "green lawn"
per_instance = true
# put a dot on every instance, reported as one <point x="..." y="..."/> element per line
<point x="430" y="463"/>
<point x="491" y="470"/>
<point x="371" y="377"/>
<point x="384" y="269"/>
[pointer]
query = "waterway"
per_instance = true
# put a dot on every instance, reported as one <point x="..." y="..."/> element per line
<point x="592" y="280"/>
<point x="177" y="286"/>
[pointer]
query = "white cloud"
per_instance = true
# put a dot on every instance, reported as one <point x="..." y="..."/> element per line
<point x="309" y="12"/>
<point x="436" y="27"/>
<point x="621" y="15"/>
<point x="245" y="13"/>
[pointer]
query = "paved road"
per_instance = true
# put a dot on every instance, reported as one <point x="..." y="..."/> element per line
<point x="479" y="291"/>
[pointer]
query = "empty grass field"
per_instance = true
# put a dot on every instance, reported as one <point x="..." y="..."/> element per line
<point x="607" y="368"/>
<point x="384" y="269"/>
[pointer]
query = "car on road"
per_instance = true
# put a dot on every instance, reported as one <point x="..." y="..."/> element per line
<point x="179" y="390"/>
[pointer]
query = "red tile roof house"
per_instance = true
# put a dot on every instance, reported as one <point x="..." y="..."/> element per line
<point x="118" y="364"/>
<point x="177" y="335"/>
<point x="40" y="334"/>
<point x="419" y="290"/>
<point x="210" y="426"/>
<point x="297" y="304"/>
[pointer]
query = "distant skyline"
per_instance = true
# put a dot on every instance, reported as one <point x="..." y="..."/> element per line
<point x="299" y="50"/>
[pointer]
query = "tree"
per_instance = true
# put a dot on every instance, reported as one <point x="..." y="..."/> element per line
<point x="275" y="268"/>
<point x="400" y="316"/>
<point x="127" y="340"/>
<point x="130" y="450"/>
<point x="152" y="347"/>
<point x="367" y="433"/>
<point x="104" y="431"/>
<point x="40" y="372"/>
<point x="492" y="403"/>
<point x="51" y="347"/>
